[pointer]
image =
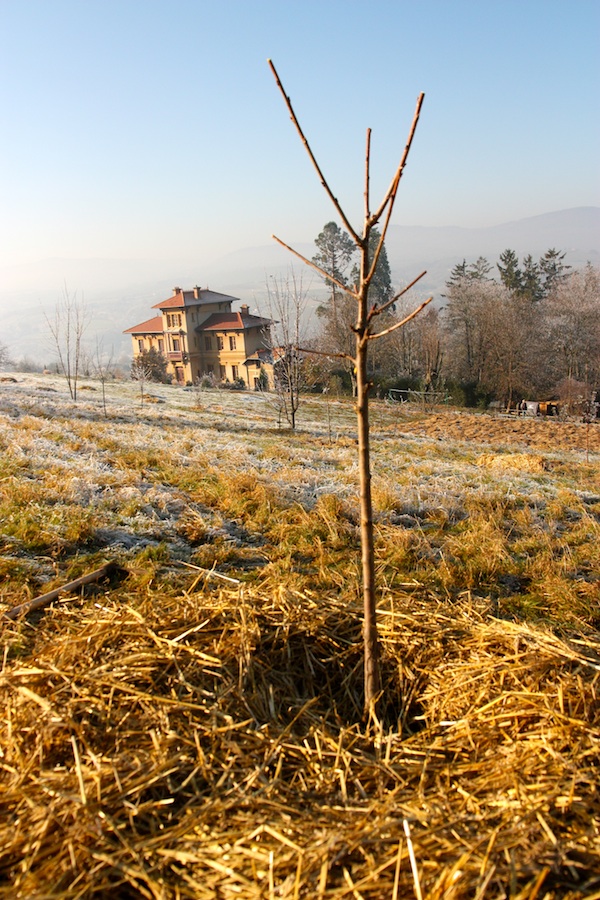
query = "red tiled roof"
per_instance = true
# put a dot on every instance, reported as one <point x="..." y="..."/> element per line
<point x="151" y="326"/>
<point x="222" y="321"/>
<point x="231" y="321"/>
<point x="187" y="298"/>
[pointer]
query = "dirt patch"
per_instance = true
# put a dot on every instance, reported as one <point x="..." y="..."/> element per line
<point x="538" y="434"/>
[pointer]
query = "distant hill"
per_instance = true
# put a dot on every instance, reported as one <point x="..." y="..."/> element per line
<point x="120" y="292"/>
<point x="576" y="231"/>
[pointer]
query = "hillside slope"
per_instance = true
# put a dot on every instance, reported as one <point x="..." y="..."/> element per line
<point x="191" y="726"/>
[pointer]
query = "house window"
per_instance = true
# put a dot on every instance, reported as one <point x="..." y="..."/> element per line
<point x="210" y="368"/>
<point x="161" y="345"/>
<point x="220" y="342"/>
<point x="232" y="342"/>
<point x="207" y="342"/>
<point x="173" y="320"/>
<point x="235" y="373"/>
<point x="141" y="346"/>
<point x="222" y="373"/>
<point x="176" y="344"/>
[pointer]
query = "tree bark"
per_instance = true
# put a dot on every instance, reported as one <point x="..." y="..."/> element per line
<point x="372" y="674"/>
<point x="370" y="634"/>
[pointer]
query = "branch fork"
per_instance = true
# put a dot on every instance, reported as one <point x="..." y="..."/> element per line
<point x="362" y="330"/>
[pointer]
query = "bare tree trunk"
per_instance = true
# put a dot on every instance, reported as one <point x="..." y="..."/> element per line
<point x="370" y="633"/>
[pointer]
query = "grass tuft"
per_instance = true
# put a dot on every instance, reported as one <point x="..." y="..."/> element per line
<point x="193" y="727"/>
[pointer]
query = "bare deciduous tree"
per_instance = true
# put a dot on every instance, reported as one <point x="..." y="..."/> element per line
<point x="574" y="327"/>
<point x="366" y="314"/>
<point x="4" y="356"/>
<point x="431" y="352"/>
<point x="336" y="336"/>
<point x="103" y="365"/>
<point x="287" y="306"/>
<point x="141" y="372"/>
<point x="66" y="329"/>
<point x="468" y="328"/>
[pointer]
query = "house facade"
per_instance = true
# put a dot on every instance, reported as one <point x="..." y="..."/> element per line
<point x="198" y="334"/>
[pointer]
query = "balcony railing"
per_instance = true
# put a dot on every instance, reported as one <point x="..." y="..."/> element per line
<point x="175" y="356"/>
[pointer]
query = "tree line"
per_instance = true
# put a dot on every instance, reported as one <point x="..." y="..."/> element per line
<point x="518" y="329"/>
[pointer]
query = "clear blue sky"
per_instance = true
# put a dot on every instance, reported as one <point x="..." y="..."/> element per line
<point x="153" y="128"/>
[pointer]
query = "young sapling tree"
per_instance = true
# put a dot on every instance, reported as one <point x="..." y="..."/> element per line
<point x="364" y="330"/>
<point x="103" y="365"/>
<point x="141" y="372"/>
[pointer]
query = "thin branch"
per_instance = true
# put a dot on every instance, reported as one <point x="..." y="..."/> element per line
<point x="374" y="311"/>
<point x="393" y="188"/>
<point x="377" y="310"/>
<point x="327" y="355"/>
<point x="375" y="260"/>
<point x="390" y="197"/>
<point x="343" y="287"/>
<point x="307" y="147"/>
<point x="367" y="175"/>
<point x="397" y="325"/>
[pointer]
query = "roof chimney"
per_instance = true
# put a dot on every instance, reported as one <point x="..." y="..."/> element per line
<point x="176" y="290"/>
<point x="245" y="309"/>
<point x="197" y="292"/>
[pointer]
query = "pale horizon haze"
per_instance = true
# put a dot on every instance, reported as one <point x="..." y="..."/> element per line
<point x="144" y="128"/>
<point x="154" y="130"/>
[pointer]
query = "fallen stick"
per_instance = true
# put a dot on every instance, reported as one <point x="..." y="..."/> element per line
<point x="46" y="599"/>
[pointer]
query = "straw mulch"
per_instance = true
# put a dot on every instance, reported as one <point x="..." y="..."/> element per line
<point x="203" y="744"/>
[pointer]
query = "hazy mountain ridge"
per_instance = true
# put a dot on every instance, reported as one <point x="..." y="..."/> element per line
<point x="121" y="292"/>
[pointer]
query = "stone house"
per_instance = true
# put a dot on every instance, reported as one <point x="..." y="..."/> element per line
<point x="198" y="334"/>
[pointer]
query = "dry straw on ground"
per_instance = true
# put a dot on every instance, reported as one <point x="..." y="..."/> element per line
<point x="191" y="727"/>
<point x="202" y="745"/>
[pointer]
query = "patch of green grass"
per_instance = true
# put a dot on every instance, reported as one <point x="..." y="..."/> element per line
<point x="42" y="520"/>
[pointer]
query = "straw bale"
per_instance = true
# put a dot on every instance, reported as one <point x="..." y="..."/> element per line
<point x="515" y="462"/>
<point x="205" y="744"/>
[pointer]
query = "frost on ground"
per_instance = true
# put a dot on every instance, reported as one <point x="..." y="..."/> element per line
<point x="214" y="682"/>
<point x="128" y="472"/>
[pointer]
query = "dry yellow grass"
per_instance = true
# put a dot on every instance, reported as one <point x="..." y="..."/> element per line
<point x="518" y="462"/>
<point x="192" y="727"/>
